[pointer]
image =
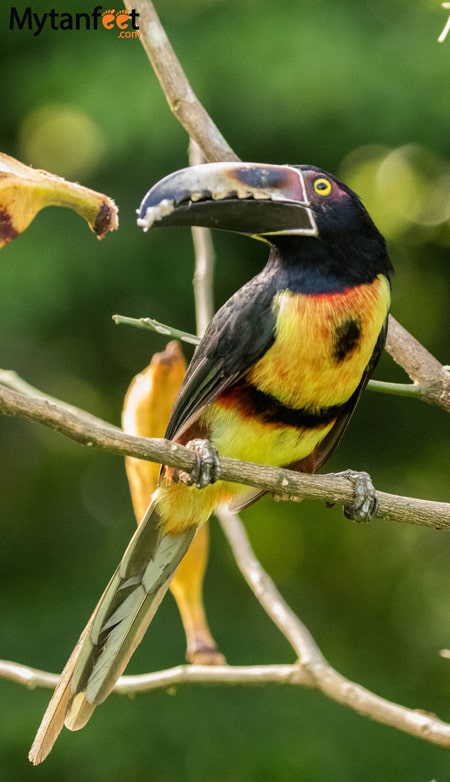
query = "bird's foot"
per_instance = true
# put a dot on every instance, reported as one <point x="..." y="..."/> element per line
<point x="365" y="504"/>
<point x="207" y="468"/>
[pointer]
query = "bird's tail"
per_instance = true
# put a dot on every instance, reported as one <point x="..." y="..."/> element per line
<point x="114" y="630"/>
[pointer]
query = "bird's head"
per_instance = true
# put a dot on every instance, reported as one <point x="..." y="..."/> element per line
<point x="335" y="206"/>
<point x="303" y="211"/>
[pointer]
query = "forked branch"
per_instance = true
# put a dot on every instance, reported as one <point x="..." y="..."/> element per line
<point x="312" y="669"/>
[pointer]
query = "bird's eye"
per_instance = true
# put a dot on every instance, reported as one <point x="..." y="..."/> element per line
<point x="322" y="186"/>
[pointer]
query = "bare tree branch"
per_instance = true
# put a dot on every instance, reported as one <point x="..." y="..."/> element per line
<point x="432" y="379"/>
<point x="320" y="673"/>
<point x="266" y="592"/>
<point x="417" y="723"/>
<point x="204" y="260"/>
<point x="179" y="94"/>
<point x="90" y="431"/>
<point x="180" y="674"/>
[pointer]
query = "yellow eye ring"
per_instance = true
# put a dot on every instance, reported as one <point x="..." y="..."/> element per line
<point x="322" y="186"/>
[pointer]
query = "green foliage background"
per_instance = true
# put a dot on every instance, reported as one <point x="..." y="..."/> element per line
<point x="361" y="89"/>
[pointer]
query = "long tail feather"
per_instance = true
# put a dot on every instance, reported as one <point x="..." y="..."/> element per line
<point x="114" y="630"/>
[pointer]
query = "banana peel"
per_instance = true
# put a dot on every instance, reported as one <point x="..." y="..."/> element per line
<point x="24" y="191"/>
<point x="146" y="410"/>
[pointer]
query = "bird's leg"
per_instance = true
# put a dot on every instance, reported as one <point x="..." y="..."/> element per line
<point x="207" y="468"/>
<point x="364" y="505"/>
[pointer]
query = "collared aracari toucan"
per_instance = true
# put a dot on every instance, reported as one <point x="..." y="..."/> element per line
<point x="275" y="380"/>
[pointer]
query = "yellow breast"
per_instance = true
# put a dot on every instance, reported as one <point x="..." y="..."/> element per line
<point x="323" y="345"/>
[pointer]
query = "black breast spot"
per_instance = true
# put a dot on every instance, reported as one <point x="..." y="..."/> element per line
<point x="346" y="339"/>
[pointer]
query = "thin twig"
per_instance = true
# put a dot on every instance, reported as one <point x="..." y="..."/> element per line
<point x="266" y="592"/>
<point x="408" y="390"/>
<point x="181" y="674"/>
<point x="155" y="325"/>
<point x="204" y="260"/>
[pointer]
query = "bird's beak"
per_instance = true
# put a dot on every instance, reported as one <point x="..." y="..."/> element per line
<point x="250" y="198"/>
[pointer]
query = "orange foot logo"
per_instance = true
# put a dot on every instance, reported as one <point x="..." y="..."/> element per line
<point x="121" y="19"/>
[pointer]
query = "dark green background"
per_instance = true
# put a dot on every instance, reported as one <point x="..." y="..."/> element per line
<point x="359" y="88"/>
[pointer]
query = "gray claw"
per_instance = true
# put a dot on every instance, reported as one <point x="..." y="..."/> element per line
<point x="365" y="503"/>
<point x="207" y="467"/>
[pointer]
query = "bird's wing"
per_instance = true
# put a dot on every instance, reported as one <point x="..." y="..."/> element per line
<point x="238" y="335"/>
